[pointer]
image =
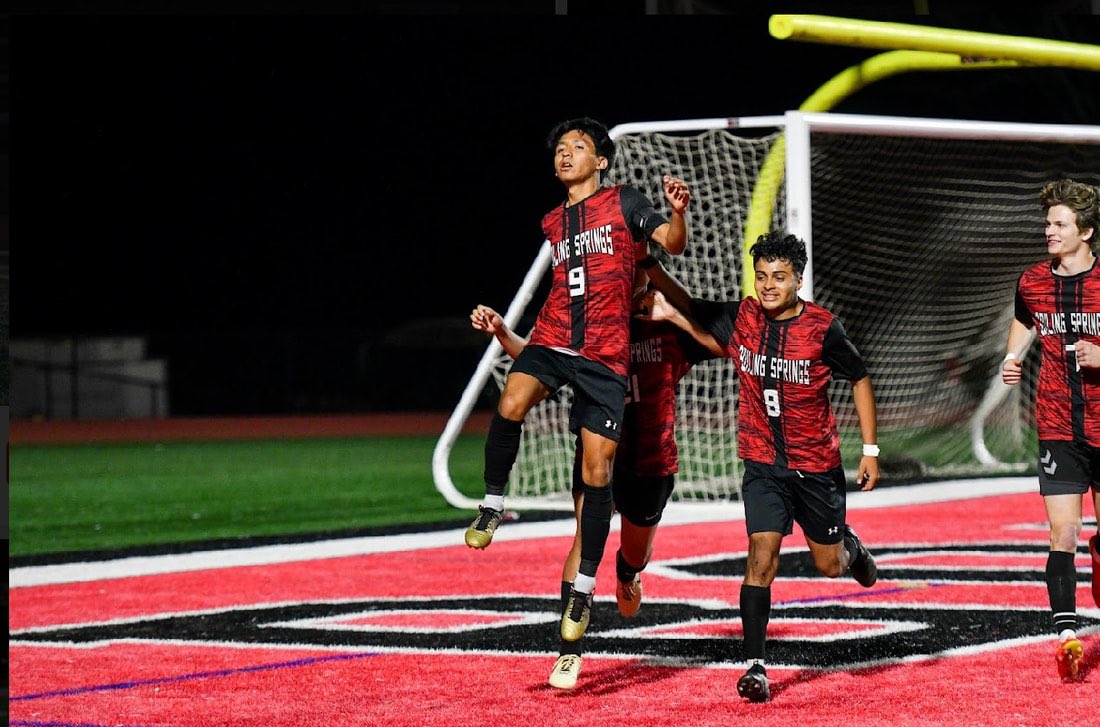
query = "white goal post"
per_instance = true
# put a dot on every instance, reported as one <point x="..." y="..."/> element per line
<point x="917" y="229"/>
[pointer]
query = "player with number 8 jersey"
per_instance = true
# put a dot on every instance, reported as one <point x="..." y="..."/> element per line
<point x="785" y="418"/>
<point x="785" y="350"/>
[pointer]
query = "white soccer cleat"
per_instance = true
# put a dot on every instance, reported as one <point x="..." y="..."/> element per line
<point x="566" y="670"/>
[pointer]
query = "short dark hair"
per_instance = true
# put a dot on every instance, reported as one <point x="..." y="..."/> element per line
<point x="1083" y="199"/>
<point x="777" y="245"/>
<point x="605" y="147"/>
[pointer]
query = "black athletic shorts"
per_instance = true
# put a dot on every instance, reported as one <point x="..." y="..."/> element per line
<point x="1068" y="468"/>
<point x="642" y="500"/>
<point x="776" y="497"/>
<point x="599" y="394"/>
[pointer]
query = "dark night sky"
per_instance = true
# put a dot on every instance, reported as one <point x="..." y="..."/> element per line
<point x="274" y="193"/>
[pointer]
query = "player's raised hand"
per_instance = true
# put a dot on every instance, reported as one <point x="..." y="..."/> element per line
<point x="484" y="318"/>
<point x="677" y="193"/>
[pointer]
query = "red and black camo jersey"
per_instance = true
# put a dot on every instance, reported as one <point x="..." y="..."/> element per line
<point x="1064" y="310"/>
<point x="784" y="414"/>
<point x="660" y="355"/>
<point x="594" y="244"/>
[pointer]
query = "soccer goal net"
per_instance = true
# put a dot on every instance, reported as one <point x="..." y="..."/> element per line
<point x="918" y="230"/>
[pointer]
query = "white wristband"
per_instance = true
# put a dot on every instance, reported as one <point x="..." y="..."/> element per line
<point x="1008" y="357"/>
<point x="870" y="450"/>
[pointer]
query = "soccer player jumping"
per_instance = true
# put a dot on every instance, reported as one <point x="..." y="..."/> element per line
<point x="786" y="350"/>
<point x="581" y="336"/>
<point x="1061" y="299"/>
<point x="646" y="459"/>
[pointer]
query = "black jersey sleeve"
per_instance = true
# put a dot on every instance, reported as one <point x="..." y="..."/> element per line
<point x="641" y="216"/>
<point x="1023" y="313"/>
<point x="716" y="317"/>
<point x="840" y="354"/>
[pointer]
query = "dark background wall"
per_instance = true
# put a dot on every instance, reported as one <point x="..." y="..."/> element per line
<point x="300" y="209"/>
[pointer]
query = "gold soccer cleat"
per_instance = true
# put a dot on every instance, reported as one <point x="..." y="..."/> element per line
<point x="480" y="532"/>
<point x="578" y="610"/>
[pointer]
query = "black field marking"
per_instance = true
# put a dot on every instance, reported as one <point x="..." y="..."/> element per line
<point x="609" y="634"/>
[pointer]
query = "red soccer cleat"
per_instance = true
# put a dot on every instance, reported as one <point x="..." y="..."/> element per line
<point x="629" y="596"/>
<point x="1069" y="655"/>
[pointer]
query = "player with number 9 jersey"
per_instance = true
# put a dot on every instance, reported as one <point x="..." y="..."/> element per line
<point x="594" y="245"/>
<point x="581" y="338"/>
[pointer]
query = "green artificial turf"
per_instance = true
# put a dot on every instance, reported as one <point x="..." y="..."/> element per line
<point x="91" y="497"/>
<point x="96" y="497"/>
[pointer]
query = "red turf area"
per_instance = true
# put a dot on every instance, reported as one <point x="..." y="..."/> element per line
<point x="204" y="683"/>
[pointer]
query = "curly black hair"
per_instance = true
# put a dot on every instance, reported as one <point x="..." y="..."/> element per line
<point x="778" y="245"/>
<point x="605" y="147"/>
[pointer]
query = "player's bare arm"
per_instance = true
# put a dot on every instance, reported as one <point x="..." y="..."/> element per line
<point x="863" y="397"/>
<point x="656" y="307"/>
<point x="483" y="318"/>
<point x="672" y="235"/>
<point x="1012" y="368"/>
<point x="670" y="287"/>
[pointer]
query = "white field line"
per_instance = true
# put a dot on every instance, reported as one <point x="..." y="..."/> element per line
<point x="675" y="514"/>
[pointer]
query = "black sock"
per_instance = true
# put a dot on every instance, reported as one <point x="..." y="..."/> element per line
<point x="1062" y="589"/>
<point x="501" y="450"/>
<point x="595" y="524"/>
<point x="566" y="647"/>
<point x="756" y="606"/>
<point x="623" y="570"/>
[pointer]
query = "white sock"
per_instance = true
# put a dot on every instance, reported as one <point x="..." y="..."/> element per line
<point x="1067" y="634"/>
<point x="584" y="584"/>
<point x="495" y="502"/>
<point x="755" y="662"/>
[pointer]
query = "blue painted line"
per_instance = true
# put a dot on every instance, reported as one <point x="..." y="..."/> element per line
<point x="34" y="723"/>
<point x="190" y="677"/>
